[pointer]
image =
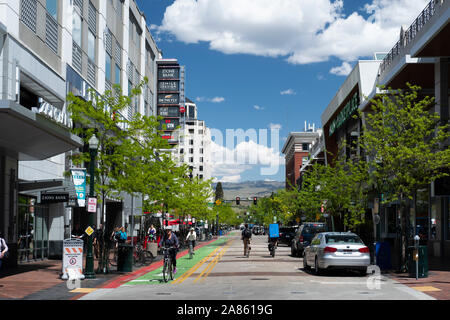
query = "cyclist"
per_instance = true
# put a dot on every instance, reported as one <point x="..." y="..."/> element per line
<point x="246" y="236"/>
<point x="274" y="234"/>
<point x="170" y="240"/>
<point x="191" y="237"/>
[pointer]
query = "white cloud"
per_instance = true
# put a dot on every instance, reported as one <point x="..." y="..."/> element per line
<point x="321" y="77"/>
<point x="231" y="163"/>
<point x="275" y="126"/>
<point x="256" y="107"/>
<point x="271" y="28"/>
<point x="288" y="92"/>
<point x="343" y="70"/>
<point x="236" y="178"/>
<point x="213" y="100"/>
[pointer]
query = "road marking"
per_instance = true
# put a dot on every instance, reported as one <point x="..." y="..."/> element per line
<point x="426" y="289"/>
<point x="194" y="268"/>
<point x="209" y="264"/>
<point x="84" y="290"/>
<point x="218" y="257"/>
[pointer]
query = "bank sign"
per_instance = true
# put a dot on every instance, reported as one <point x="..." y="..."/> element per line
<point x="173" y="98"/>
<point x="79" y="180"/>
<point x="343" y="116"/>
<point x="168" y="73"/>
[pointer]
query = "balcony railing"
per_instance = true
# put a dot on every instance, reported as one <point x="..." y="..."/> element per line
<point x="411" y="32"/>
<point x="51" y="33"/>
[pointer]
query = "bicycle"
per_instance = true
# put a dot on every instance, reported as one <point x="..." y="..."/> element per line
<point x="141" y="256"/>
<point x="168" y="266"/>
<point x="191" y="249"/>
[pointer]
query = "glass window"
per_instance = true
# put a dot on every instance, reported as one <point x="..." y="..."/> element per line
<point x="342" y="239"/>
<point x="201" y="159"/>
<point x="76" y="28"/>
<point x="52" y="8"/>
<point x="91" y="46"/>
<point x="201" y="168"/>
<point x="305" y="146"/>
<point x="108" y="67"/>
<point x="117" y="74"/>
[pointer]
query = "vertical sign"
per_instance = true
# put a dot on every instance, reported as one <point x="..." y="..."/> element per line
<point x="79" y="180"/>
<point x="92" y="204"/>
<point x="72" y="258"/>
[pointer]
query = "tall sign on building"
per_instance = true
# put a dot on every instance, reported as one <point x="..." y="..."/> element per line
<point x="170" y="97"/>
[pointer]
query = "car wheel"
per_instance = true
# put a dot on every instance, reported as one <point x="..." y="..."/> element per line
<point x="316" y="267"/>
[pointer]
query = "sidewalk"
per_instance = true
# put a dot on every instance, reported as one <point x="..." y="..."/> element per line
<point x="437" y="284"/>
<point x="40" y="280"/>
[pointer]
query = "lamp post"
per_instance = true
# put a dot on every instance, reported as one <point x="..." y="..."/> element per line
<point x="93" y="145"/>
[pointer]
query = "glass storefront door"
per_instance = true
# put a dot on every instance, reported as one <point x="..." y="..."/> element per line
<point x="33" y="222"/>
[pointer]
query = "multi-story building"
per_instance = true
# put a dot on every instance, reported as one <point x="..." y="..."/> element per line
<point x="195" y="143"/>
<point x="47" y="49"/>
<point x="296" y="151"/>
<point x="420" y="57"/>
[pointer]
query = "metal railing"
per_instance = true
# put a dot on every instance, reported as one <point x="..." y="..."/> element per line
<point x="411" y="32"/>
<point x="77" y="57"/>
<point x="91" y="72"/>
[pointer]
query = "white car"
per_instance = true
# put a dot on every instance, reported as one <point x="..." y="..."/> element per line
<point x="343" y="250"/>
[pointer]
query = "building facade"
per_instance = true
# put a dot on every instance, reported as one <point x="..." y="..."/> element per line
<point x="195" y="143"/>
<point x="420" y="57"/>
<point x="49" y="48"/>
<point x="296" y="152"/>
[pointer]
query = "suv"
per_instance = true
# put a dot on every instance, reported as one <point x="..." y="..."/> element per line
<point x="286" y="235"/>
<point x="304" y="235"/>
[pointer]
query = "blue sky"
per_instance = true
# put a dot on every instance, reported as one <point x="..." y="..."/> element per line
<point x="268" y="52"/>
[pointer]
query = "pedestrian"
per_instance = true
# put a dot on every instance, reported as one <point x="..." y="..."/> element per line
<point x="170" y="240"/>
<point x="3" y="249"/>
<point x="246" y="236"/>
<point x="191" y="237"/>
<point x="151" y="234"/>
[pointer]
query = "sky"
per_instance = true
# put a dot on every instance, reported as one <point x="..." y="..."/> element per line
<point x="269" y="64"/>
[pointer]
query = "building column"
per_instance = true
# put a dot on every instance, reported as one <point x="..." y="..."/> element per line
<point x="442" y="99"/>
<point x="8" y="202"/>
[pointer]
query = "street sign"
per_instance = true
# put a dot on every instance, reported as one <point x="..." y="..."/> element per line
<point x="218" y="202"/>
<point x="72" y="258"/>
<point x="89" y="231"/>
<point x="92" y="204"/>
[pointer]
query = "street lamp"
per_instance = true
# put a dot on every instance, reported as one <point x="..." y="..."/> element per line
<point x="93" y="146"/>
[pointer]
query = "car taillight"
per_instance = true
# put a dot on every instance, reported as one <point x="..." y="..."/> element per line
<point x="301" y="238"/>
<point x="364" y="250"/>
<point x="329" y="249"/>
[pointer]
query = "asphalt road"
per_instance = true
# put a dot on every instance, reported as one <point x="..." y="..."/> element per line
<point x="225" y="274"/>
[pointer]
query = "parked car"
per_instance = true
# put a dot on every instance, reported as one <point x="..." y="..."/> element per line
<point x="286" y="235"/>
<point x="304" y="235"/>
<point x="343" y="250"/>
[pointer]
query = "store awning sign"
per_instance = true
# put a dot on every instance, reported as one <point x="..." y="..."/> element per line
<point x="54" y="197"/>
<point x="79" y="180"/>
<point x="342" y="117"/>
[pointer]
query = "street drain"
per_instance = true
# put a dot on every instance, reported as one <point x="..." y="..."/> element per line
<point x="163" y="294"/>
<point x="364" y="292"/>
<point x="228" y="293"/>
<point x="259" y="279"/>
<point x="298" y="292"/>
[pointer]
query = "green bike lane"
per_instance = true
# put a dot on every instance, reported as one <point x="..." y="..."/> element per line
<point x="184" y="263"/>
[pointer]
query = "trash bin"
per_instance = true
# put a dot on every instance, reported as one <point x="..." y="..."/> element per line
<point x="383" y="255"/>
<point x="152" y="247"/>
<point x="220" y="232"/>
<point x="423" y="262"/>
<point x="125" y="258"/>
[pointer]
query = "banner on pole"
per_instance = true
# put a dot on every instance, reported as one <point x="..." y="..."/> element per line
<point x="79" y="180"/>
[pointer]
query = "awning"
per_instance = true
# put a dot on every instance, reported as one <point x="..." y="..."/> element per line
<point x="48" y="186"/>
<point x="31" y="135"/>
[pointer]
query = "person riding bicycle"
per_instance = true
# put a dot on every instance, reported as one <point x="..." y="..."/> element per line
<point x="246" y="236"/>
<point x="191" y="237"/>
<point x="170" y="240"/>
<point x="274" y="234"/>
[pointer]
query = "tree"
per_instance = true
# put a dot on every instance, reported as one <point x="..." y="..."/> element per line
<point x="219" y="192"/>
<point x="404" y="143"/>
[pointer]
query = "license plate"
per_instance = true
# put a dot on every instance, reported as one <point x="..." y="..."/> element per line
<point x="348" y="251"/>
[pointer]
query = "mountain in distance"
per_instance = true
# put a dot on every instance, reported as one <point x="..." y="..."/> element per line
<point x="250" y="189"/>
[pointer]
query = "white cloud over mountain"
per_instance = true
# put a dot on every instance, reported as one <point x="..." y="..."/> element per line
<point x="300" y="31"/>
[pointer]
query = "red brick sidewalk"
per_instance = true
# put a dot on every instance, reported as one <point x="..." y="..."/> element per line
<point x="437" y="284"/>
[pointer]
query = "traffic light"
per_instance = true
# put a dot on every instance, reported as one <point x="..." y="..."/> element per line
<point x="238" y="201"/>
<point x="255" y="200"/>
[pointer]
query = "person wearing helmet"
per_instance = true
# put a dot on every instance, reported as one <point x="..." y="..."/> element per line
<point x="191" y="237"/>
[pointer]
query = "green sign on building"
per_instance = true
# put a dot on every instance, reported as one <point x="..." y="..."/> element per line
<point x="343" y="116"/>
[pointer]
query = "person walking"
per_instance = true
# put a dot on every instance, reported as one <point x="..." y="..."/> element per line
<point x="170" y="240"/>
<point x="3" y="249"/>
<point x="191" y="237"/>
<point x="246" y="236"/>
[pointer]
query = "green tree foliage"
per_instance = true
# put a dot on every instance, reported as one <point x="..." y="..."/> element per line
<point x="403" y="140"/>
<point x="219" y="192"/>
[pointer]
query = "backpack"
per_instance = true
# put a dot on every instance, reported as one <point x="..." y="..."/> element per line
<point x="247" y="233"/>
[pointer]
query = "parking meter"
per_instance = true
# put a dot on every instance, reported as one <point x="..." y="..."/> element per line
<point x="416" y="254"/>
